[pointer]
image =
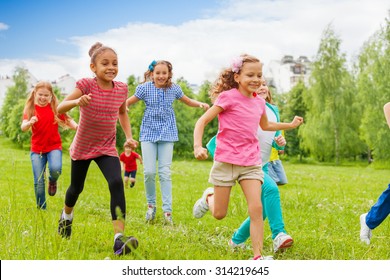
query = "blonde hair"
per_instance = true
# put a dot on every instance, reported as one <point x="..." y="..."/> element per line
<point x="225" y="80"/>
<point x="149" y="72"/>
<point x="97" y="49"/>
<point x="29" y="107"/>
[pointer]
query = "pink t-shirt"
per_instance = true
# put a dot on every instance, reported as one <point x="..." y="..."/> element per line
<point x="96" y="133"/>
<point x="237" y="141"/>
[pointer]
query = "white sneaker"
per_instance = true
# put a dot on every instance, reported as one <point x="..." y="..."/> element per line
<point x="201" y="206"/>
<point x="236" y="246"/>
<point x="263" y="258"/>
<point x="365" y="231"/>
<point x="150" y="213"/>
<point x="282" y="241"/>
<point x="168" y="218"/>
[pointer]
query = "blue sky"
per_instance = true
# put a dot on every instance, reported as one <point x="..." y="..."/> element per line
<point x="52" y="38"/>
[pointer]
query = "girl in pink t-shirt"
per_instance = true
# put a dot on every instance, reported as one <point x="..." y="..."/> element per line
<point x="102" y="101"/>
<point x="237" y="157"/>
<point x="41" y="116"/>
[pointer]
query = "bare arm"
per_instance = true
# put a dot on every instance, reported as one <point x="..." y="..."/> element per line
<point x="76" y="98"/>
<point x="131" y="100"/>
<point x="194" y="103"/>
<point x="209" y="115"/>
<point x="27" y="124"/>
<point x="386" y="109"/>
<point x="125" y="124"/>
<point x="274" y="126"/>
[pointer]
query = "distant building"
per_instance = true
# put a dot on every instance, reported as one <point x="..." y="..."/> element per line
<point x="284" y="74"/>
<point x="66" y="84"/>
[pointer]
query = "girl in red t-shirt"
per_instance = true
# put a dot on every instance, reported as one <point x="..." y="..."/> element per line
<point x="41" y="116"/>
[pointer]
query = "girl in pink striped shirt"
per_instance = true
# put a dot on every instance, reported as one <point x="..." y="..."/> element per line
<point x="101" y="101"/>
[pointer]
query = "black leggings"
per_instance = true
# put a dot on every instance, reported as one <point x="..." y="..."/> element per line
<point x="111" y="169"/>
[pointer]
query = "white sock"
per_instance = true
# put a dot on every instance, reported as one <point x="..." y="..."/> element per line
<point x="117" y="235"/>
<point x="68" y="217"/>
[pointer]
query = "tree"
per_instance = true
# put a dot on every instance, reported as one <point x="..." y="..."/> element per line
<point x="330" y="131"/>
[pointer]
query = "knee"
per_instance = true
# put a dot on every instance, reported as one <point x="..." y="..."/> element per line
<point x="256" y="212"/>
<point x="115" y="182"/>
<point x="219" y="215"/>
<point x="150" y="175"/>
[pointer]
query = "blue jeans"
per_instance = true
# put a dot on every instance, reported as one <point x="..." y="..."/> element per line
<point x="276" y="171"/>
<point x="380" y="210"/>
<point x="163" y="153"/>
<point x="270" y="198"/>
<point x="38" y="161"/>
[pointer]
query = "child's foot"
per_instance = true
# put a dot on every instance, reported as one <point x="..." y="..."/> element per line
<point x="64" y="227"/>
<point x="236" y="246"/>
<point x="132" y="185"/>
<point x="123" y="245"/>
<point x="261" y="258"/>
<point x="150" y="213"/>
<point x="52" y="188"/>
<point x="201" y="206"/>
<point x="168" y="218"/>
<point x="365" y="231"/>
<point x="282" y="241"/>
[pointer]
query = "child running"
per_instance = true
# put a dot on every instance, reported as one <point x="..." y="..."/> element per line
<point x="129" y="164"/>
<point x="101" y="101"/>
<point x="237" y="156"/>
<point x="41" y="116"/>
<point x="159" y="132"/>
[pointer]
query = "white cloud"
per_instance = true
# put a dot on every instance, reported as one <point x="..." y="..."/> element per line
<point x="198" y="49"/>
<point x="3" y="26"/>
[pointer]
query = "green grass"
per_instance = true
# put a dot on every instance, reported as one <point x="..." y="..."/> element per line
<point x="321" y="208"/>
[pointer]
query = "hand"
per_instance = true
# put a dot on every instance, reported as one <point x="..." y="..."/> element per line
<point x="297" y="121"/>
<point x="84" y="100"/>
<point x="200" y="153"/>
<point x="204" y="106"/>
<point x="280" y="140"/>
<point x="33" y="120"/>
<point x="133" y="143"/>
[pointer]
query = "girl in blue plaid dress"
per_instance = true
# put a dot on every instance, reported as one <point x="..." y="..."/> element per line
<point x="159" y="132"/>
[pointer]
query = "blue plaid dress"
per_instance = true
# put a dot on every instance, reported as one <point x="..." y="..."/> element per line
<point x="158" y="122"/>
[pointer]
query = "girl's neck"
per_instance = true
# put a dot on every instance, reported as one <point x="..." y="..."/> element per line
<point x="105" y="84"/>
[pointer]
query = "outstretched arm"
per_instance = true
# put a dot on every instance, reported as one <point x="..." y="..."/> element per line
<point x="274" y="126"/>
<point x="131" y="100"/>
<point x="194" y="103"/>
<point x="125" y="124"/>
<point x="76" y="98"/>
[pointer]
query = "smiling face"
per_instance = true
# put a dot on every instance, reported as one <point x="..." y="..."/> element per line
<point x="263" y="91"/>
<point x="249" y="78"/>
<point x="160" y="75"/>
<point x="105" y="66"/>
<point x="42" y="97"/>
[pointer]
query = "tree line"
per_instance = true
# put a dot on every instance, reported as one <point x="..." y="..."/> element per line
<point x="342" y="106"/>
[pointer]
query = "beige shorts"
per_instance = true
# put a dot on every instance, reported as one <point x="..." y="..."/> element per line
<point x="225" y="174"/>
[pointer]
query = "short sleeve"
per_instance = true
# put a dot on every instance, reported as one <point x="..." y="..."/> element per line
<point x="84" y="86"/>
<point x="140" y="92"/>
<point x="223" y="100"/>
<point x="178" y="92"/>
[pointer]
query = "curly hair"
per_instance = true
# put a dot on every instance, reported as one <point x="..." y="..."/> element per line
<point x="97" y="49"/>
<point x="225" y="80"/>
<point x="148" y="74"/>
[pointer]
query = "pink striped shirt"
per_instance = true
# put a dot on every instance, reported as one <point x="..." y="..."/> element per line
<point x="96" y="133"/>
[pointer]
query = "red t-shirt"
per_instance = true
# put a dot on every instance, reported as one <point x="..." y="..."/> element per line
<point x="45" y="136"/>
<point x="129" y="161"/>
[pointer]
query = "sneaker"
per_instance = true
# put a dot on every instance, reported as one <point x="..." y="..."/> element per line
<point x="123" y="245"/>
<point x="150" y="213"/>
<point x="64" y="227"/>
<point x="201" y="206"/>
<point x="52" y="188"/>
<point x="261" y="258"/>
<point x="282" y="241"/>
<point x="168" y="218"/>
<point x="365" y="231"/>
<point x="132" y="185"/>
<point x="236" y="246"/>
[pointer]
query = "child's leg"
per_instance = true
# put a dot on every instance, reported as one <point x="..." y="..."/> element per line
<point x="252" y="192"/>
<point x="38" y="162"/>
<point x="149" y="154"/>
<point x="164" y="154"/>
<point x="219" y="201"/>
<point x="126" y="181"/>
<point x="132" y="178"/>
<point x="54" y="159"/>
<point x="380" y="210"/>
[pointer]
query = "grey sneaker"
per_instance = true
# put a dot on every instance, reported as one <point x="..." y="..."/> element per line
<point x="365" y="231"/>
<point x="282" y="241"/>
<point x="236" y="246"/>
<point x="201" y="206"/>
<point x="150" y="213"/>
<point x="168" y="218"/>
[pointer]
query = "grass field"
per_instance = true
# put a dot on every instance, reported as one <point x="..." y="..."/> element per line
<point x="321" y="208"/>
